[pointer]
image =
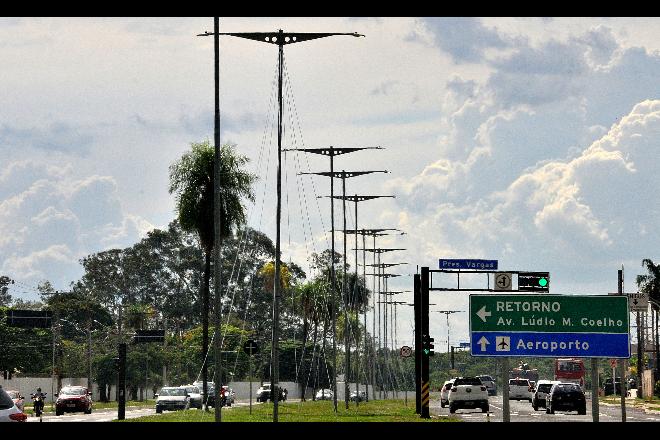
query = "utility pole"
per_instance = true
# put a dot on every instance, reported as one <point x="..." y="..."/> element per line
<point x="447" y="313"/>
<point x="279" y="38"/>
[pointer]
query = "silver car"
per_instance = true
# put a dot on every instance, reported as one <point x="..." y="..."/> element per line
<point x="489" y="383"/>
<point x="195" y="396"/>
<point x="324" y="394"/>
<point x="8" y="410"/>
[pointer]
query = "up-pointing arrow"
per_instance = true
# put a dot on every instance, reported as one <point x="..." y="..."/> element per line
<point x="483" y="342"/>
<point x="482" y="313"/>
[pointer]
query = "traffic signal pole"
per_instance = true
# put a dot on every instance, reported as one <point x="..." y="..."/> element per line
<point x="424" y="309"/>
<point x="418" y="343"/>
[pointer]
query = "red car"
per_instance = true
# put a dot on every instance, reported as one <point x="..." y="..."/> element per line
<point x="17" y="398"/>
<point x="73" y="399"/>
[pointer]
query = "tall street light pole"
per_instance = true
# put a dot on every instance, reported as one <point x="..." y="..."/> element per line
<point x="378" y="251"/>
<point x="448" y="312"/>
<point x="343" y="175"/>
<point x="332" y="152"/>
<point x="358" y="198"/>
<point x="279" y="38"/>
<point x="374" y="232"/>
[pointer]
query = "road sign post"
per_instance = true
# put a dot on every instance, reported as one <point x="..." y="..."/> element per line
<point x="549" y="325"/>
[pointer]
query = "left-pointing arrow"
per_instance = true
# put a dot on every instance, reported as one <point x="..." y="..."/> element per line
<point x="483" y="342"/>
<point x="482" y="313"/>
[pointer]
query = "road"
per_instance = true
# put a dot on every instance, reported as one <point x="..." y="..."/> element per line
<point x="522" y="411"/>
<point x="106" y="415"/>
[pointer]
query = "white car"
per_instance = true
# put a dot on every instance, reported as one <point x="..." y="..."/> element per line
<point x="468" y="392"/>
<point x="172" y="398"/>
<point x="324" y="394"/>
<point x="520" y="389"/>
<point x="195" y="396"/>
<point x="542" y="389"/>
<point x="8" y="410"/>
<point x="444" y="393"/>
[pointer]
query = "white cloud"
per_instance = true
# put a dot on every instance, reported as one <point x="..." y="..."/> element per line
<point x="48" y="224"/>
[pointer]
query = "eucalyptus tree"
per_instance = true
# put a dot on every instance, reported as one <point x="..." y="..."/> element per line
<point x="192" y="182"/>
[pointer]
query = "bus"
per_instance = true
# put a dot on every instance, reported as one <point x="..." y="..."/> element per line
<point x="570" y="370"/>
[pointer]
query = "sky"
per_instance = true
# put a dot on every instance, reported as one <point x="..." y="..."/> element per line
<point x="531" y="141"/>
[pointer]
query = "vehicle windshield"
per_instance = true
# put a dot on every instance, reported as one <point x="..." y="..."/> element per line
<point x="485" y="378"/>
<point x="544" y="387"/>
<point x="519" y="382"/>
<point x="570" y="366"/>
<point x="172" y="392"/>
<point x="5" y="400"/>
<point x="467" y="381"/>
<point x="73" y="392"/>
<point x="449" y="385"/>
<point x="568" y="388"/>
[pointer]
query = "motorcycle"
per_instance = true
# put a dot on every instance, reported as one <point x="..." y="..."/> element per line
<point x="38" y="400"/>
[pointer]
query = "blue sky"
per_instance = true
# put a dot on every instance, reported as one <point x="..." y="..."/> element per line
<point x="531" y="141"/>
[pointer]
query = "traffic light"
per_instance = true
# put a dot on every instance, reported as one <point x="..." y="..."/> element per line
<point x="427" y="345"/>
<point x="534" y="281"/>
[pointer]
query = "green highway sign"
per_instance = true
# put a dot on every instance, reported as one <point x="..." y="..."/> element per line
<point x="549" y="325"/>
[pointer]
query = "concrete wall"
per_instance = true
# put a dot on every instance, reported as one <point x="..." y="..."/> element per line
<point x="27" y="385"/>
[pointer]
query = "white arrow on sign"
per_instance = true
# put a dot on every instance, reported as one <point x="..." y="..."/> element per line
<point x="483" y="342"/>
<point x="482" y="313"/>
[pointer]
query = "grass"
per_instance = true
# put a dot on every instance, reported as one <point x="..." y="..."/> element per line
<point x="310" y="411"/>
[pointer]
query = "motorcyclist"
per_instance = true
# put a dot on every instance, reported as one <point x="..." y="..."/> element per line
<point x="38" y="399"/>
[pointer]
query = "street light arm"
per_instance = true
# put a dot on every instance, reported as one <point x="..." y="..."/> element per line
<point x="280" y="38"/>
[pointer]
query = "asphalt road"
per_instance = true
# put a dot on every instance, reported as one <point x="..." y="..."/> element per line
<point x="522" y="411"/>
<point x="106" y="415"/>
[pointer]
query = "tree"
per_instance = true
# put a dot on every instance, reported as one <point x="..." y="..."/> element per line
<point x="650" y="283"/>
<point x="192" y="180"/>
<point x="5" y="297"/>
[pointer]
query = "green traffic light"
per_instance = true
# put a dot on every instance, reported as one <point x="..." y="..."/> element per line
<point x="426" y="351"/>
<point x="543" y="282"/>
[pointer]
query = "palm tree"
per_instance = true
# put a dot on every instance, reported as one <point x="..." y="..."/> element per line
<point x="191" y="178"/>
<point x="650" y="284"/>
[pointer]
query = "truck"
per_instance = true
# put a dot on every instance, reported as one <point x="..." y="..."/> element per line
<point x="523" y="371"/>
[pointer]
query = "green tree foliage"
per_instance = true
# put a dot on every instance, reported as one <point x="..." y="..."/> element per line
<point x="192" y="182"/>
<point x="5" y="297"/>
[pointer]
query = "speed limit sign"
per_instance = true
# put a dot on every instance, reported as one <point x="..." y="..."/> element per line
<point x="406" y="351"/>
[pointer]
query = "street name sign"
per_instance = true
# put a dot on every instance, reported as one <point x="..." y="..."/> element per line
<point x="538" y="325"/>
<point x="468" y="264"/>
